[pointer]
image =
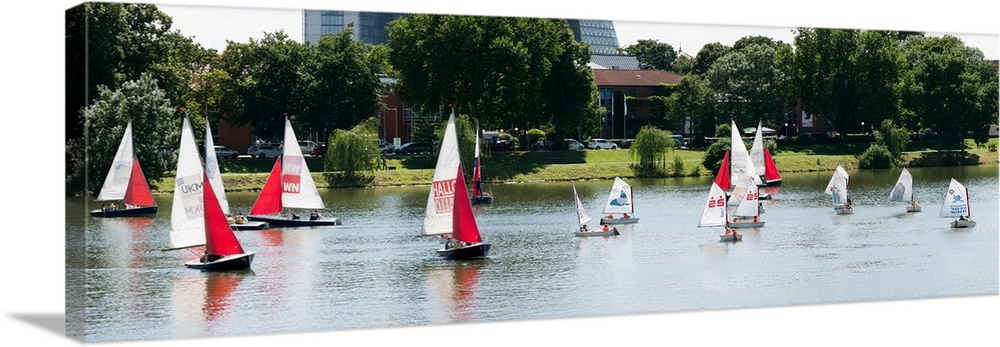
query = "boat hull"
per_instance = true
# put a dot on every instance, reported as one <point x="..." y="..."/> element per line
<point x="278" y="221"/>
<point x="250" y="225"/>
<point x="125" y="212"/>
<point x="843" y="210"/>
<point x="963" y="223"/>
<point x="747" y="224"/>
<point x="481" y="200"/>
<point x="478" y="250"/>
<point x="612" y="232"/>
<point x="227" y="263"/>
<point x="615" y="221"/>
<point x="730" y="237"/>
<point x="773" y="183"/>
<point x="912" y="208"/>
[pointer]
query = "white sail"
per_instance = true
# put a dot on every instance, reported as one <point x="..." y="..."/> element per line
<point x="903" y="189"/>
<point x="187" y="216"/>
<point x="620" y="198"/>
<point x="743" y="183"/>
<point x="440" y="200"/>
<point x="837" y="188"/>
<point x="212" y="169"/>
<point x="121" y="168"/>
<point x="749" y="202"/>
<point x="757" y="151"/>
<point x="715" y="208"/>
<point x="739" y="158"/>
<point x="581" y="213"/>
<point x="297" y="187"/>
<point x="956" y="201"/>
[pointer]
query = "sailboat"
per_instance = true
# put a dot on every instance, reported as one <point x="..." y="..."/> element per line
<point x="290" y="185"/>
<point x="956" y="204"/>
<point x="449" y="210"/>
<point x="478" y="195"/>
<point x="214" y="175"/>
<point x="582" y="217"/>
<point x="903" y="191"/>
<point x="763" y="163"/>
<point x="127" y="183"/>
<point x="837" y="189"/>
<point x="740" y="162"/>
<point x="223" y="251"/>
<point x="747" y="214"/>
<point x="619" y="201"/>
<point x="717" y="214"/>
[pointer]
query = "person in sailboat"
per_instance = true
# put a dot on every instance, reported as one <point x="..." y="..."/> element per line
<point x="610" y="216"/>
<point x="295" y="216"/>
<point x="625" y="216"/>
<point x="230" y="219"/>
<point x="314" y="215"/>
<point x="239" y="218"/>
<point x="605" y="228"/>
<point x="583" y="229"/>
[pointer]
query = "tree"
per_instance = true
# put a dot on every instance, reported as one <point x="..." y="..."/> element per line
<point x="266" y="77"/>
<point x="340" y="76"/>
<point x="692" y="99"/>
<point x="684" y="65"/>
<point x="154" y="126"/>
<point x="353" y="151"/>
<point x="652" y="54"/>
<point x="497" y="67"/>
<point x="893" y="139"/>
<point x="943" y="91"/>
<point x="752" y="83"/>
<point x="708" y="55"/>
<point x="651" y="147"/>
<point x="715" y="153"/>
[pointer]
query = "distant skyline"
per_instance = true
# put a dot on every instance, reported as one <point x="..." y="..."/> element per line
<point x="213" y="25"/>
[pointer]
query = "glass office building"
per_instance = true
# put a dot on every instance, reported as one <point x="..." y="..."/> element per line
<point x="370" y="27"/>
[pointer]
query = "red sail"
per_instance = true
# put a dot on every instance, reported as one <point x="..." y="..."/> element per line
<point x="722" y="179"/>
<point x="770" y="171"/>
<point x="477" y="190"/>
<point x="137" y="193"/>
<point x="463" y="222"/>
<point x="269" y="200"/>
<point x="219" y="238"/>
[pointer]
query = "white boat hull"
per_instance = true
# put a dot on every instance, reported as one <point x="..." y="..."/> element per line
<point x="963" y="223"/>
<point x="612" y="232"/>
<point x="746" y="224"/>
<point x="843" y="210"/>
<point x="730" y="237"/>
<point x="912" y="208"/>
<point x="614" y="221"/>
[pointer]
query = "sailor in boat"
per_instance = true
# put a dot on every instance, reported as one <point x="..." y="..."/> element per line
<point x="295" y="216"/>
<point x="583" y="229"/>
<point x="730" y="231"/>
<point x="914" y="203"/>
<point x="610" y="216"/>
<point x="605" y="228"/>
<point x="755" y="219"/>
<point x="625" y="216"/>
<point x="314" y="215"/>
<point x="239" y="218"/>
<point x="230" y="219"/>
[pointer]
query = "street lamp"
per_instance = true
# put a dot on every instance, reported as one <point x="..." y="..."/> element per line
<point x="786" y="129"/>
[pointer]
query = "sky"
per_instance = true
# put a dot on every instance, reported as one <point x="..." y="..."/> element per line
<point x="33" y="88"/>
<point x="212" y="26"/>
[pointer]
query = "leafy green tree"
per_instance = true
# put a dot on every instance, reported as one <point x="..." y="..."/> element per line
<point x="985" y="113"/>
<point x="652" y="54"/>
<point x="353" y="151"/>
<point x="942" y="89"/>
<point x="684" y="65"/>
<point x="752" y="83"/>
<point x="340" y="76"/>
<point x="893" y="138"/>
<point x="155" y="125"/>
<point x="877" y="156"/>
<point x="715" y="153"/>
<point x="692" y="99"/>
<point x="651" y="147"/>
<point x="496" y="67"/>
<point x="570" y="94"/>
<point x="267" y="83"/>
<point x="708" y="55"/>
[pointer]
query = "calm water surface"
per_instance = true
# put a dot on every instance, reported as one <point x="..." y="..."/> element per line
<point x="374" y="271"/>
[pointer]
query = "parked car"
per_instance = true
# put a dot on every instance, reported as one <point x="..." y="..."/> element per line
<point x="226" y="152"/>
<point x="601" y="144"/>
<point x="320" y="149"/>
<point x="678" y="140"/>
<point x="574" y="145"/>
<point x="627" y="143"/>
<point x="499" y="145"/>
<point x="542" y="145"/>
<point x="385" y="147"/>
<point x="264" y="151"/>
<point x="414" y="148"/>
<point x="307" y="146"/>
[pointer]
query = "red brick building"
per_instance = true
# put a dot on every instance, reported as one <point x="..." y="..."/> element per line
<point x="636" y="110"/>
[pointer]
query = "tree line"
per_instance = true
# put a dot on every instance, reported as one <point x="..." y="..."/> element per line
<point x="125" y="60"/>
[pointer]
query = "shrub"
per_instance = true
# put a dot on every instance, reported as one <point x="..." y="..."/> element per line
<point x="677" y="167"/>
<point x="876" y="157"/>
<point x="715" y="153"/>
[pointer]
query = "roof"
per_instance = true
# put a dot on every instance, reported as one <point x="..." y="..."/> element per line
<point x="635" y="77"/>
<point x="613" y="62"/>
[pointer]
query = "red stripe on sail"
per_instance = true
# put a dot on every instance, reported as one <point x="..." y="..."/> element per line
<point x="219" y="238"/>
<point x="476" y="181"/>
<point x="722" y="179"/>
<point x="770" y="171"/>
<point x="463" y="222"/>
<point x="137" y="193"/>
<point x="269" y="200"/>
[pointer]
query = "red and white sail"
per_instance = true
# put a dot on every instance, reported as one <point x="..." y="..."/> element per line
<point x="714" y="213"/>
<point x="477" y="181"/>
<point x="125" y="180"/>
<point x="212" y="168"/>
<point x="748" y="206"/>
<point x="722" y="178"/>
<point x="298" y="190"/>
<point x="440" y="199"/>
<point x="463" y="223"/>
<point x="187" y="226"/>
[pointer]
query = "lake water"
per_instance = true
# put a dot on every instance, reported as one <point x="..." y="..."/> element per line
<point x="374" y="272"/>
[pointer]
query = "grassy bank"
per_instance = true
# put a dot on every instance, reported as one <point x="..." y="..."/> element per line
<point x="249" y="174"/>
